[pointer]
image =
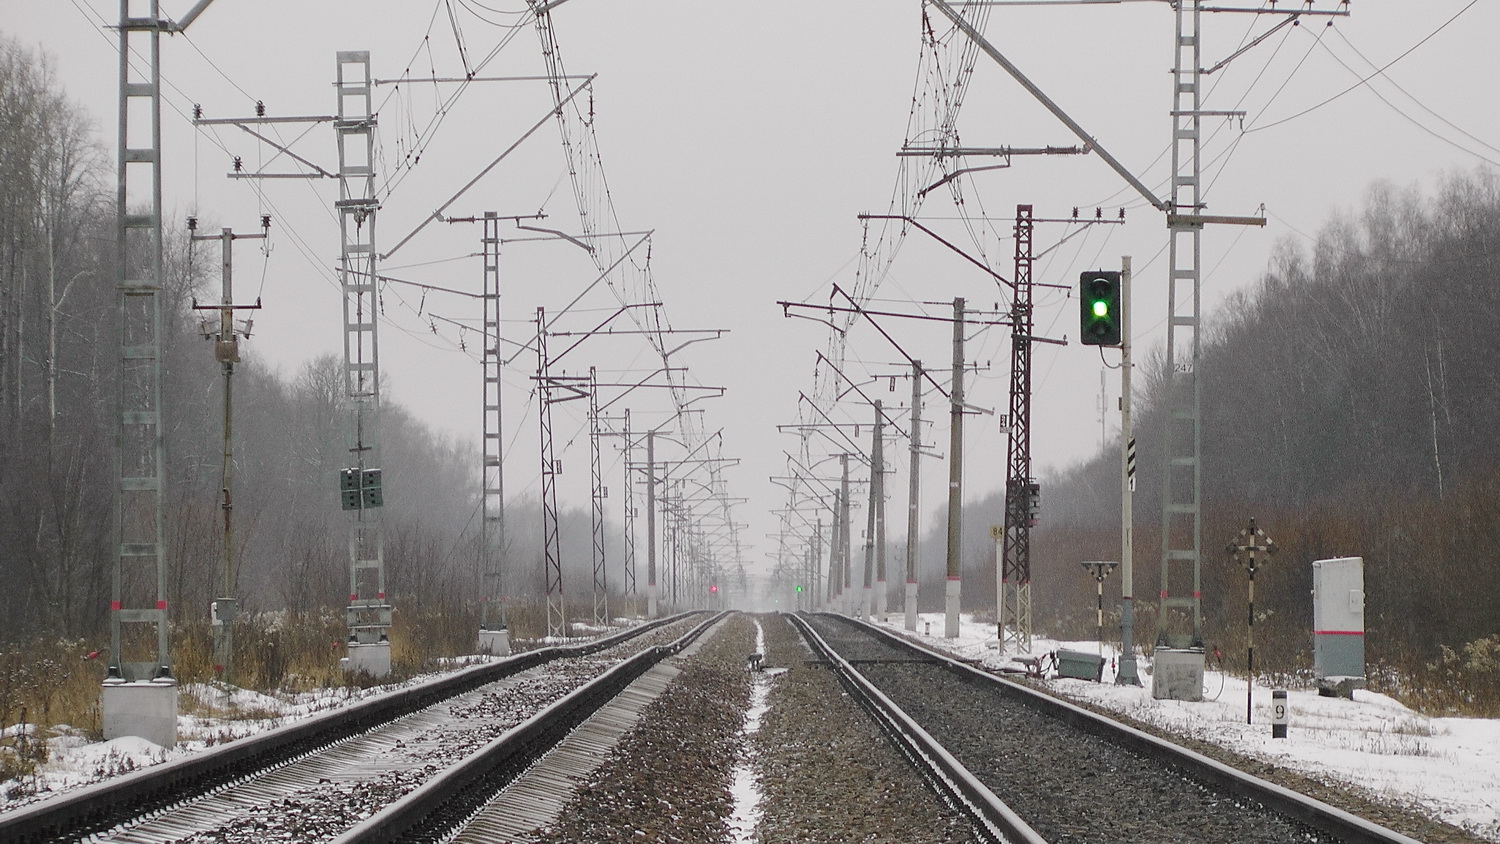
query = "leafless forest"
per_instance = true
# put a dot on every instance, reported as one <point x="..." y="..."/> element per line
<point x="59" y="350"/>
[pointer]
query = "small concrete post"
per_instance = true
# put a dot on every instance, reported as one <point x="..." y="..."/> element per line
<point x="1279" y="712"/>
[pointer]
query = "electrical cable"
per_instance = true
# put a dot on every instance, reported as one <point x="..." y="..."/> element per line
<point x="1417" y="101"/>
<point x="1414" y="121"/>
<point x="1365" y="80"/>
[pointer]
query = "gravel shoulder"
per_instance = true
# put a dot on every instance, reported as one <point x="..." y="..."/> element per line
<point x="668" y="779"/>
<point x="826" y="771"/>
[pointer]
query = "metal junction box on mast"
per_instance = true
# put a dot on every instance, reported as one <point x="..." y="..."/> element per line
<point x="1339" y="625"/>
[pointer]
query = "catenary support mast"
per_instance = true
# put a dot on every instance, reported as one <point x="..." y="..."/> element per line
<point x="596" y="498"/>
<point x="494" y="635"/>
<point x="913" y="497"/>
<point x="1179" y="623"/>
<point x="951" y="602"/>
<point x="872" y="526"/>
<point x="369" y="612"/>
<point x="1020" y="490"/>
<point x="557" y="619"/>
<point x="139" y="697"/>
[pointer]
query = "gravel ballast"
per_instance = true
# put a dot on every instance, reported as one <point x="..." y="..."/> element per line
<point x="827" y="772"/>
<point x="1070" y="786"/>
<point x="823" y="772"/>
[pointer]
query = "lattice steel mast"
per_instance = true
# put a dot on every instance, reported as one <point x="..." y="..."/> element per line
<point x="369" y="612"/>
<point x="1180" y="622"/>
<point x="139" y="592"/>
<point x="628" y="517"/>
<point x="492" y="538"/>
<point x="596" y="497"/>
<point x="1020" y="489"/>
<point x="557" y="619"/>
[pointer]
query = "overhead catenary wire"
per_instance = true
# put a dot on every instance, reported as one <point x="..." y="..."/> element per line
<point x="1364" y="81"/>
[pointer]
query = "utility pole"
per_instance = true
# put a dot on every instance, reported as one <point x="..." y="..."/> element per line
<point x="227" y="353"/>
<point x="955" y="476"/>
<point x="835" y="541"/>
<point x="866" y="600"/>
<point x="913" y="495"/>
<point x="1126" y="674"/>
<point x="674" y="546"/>
<point x="651" y="524"/>
<point x="846" y="546"/>
<point x="139" y="695"/>
<point x="815" y="570"/>
<point x="880" y="547"/>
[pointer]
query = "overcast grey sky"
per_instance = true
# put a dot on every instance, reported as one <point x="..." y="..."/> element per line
<point x="748" y="136"/>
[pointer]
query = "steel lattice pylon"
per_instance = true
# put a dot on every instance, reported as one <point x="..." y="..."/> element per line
<point x="1015" y="601"/>
<point x="557" y="618"/>
<point x="629" y="514"/>
<point x="368" y="615"/>
<point x="596" y="514"/>
<point x="1179" y="624"/>
<point x="139" y="591"/>
<point x="492" y="526"/>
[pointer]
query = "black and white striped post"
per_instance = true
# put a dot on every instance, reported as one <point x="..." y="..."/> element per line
<point x="1246" y="543"/>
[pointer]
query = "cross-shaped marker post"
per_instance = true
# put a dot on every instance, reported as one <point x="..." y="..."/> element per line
<point x="1243" y="548"/>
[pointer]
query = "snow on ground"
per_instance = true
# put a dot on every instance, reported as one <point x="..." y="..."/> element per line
<point x="1448" y="768"/>
<point x="219" y="715"/>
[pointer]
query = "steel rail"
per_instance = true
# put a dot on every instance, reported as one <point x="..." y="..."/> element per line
<point x="96" y="808"/>
<point x="989" y="814"/>
<point x="1344" y="825"/>
<point x="450" y="798"/>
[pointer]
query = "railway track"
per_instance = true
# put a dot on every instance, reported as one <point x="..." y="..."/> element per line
<point x="503" y="791"/>
<point x="313" y="779"/>
<point x="1034" y="769"/>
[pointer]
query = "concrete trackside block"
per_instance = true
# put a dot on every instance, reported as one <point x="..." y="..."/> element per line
<point x="1177" y="674"/>
<point x="373" y="658"/>
<point x="494" y="642"/>
<point x="145" y="709"/>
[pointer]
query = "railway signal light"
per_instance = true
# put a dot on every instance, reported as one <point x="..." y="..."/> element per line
<point x="1099" y="303"/>
<point x="349" y="488"/>
<point x="371" y="494"/>
<point x="360" y="489"/>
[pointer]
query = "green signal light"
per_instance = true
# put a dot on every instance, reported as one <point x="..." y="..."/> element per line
<point x="1100" y="308"/>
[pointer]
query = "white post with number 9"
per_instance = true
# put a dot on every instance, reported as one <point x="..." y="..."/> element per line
<point x="1279" y="712"/>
